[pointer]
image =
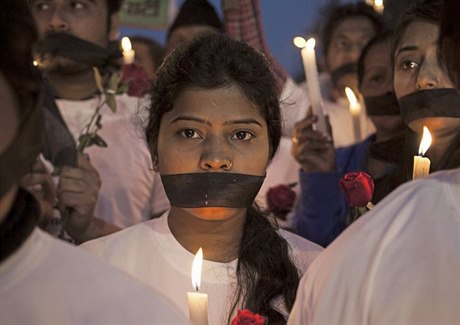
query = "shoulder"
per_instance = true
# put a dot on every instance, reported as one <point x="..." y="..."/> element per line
<point x="122" y="242"/>
<point x="303" y="251"/>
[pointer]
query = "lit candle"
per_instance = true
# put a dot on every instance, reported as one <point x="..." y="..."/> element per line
<point x="422" y="164"/>
<point x="378" y="6"/>
<point x="197" y="301"/>
<point x="355" y="110"/>
<point x="311" y="75"/>
<point x="128" y="52"/>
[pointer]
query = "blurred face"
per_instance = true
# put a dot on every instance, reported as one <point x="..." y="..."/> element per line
<point x="378" y="81"/>
<point x="348" y="40"/>
<point x="144" y="59"/>
<point x="184" y="34"/>
<point x="416" y="68"/>
<point x="210" y="131"/>
<point x="86" y="19"/>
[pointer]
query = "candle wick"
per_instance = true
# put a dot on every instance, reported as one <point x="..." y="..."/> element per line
<point x="196" y="288"/>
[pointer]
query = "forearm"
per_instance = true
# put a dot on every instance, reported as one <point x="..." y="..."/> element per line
<point x="322" y="210"/>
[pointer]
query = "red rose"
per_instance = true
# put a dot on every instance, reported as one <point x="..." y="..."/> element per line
<point x="358" y="188"/>
<point x="137" y="80"/>
<point x="246" y="317"/>
<point x="280" y="199"/>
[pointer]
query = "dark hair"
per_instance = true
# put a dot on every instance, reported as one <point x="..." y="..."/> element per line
<point x="381" y="38"/>
<point x="156" y="51"/>
<point x="18" y="35"/>
<point x="113" y="6"/>
<point x="449" y="40"/>
<point x="211" y="61"/>
<point x="343" y="12"/>
<point x="425" y="10"/>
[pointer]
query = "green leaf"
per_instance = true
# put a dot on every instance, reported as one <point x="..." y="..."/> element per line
<point x="115" y="81"/>
<point x="98" y="78"/>
<point x="84" y="141"/>
<point x="98" y="141"/>
<point x="111" y="102"/>
<point x="122" y="88"/>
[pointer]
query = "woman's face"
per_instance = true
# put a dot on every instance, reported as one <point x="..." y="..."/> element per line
<point x="378" y="81"/>
<point x="213" y="130"/>
<point x="417" y="68"/>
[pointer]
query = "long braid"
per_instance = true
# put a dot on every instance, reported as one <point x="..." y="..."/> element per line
<point x="265" y="270"/>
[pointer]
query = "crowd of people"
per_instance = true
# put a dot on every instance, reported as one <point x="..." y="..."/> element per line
<point x="107" y="193"/>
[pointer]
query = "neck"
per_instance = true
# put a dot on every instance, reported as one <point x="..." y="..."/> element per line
<point x="220" y="239"/>
<point x="73" y="87"/>
<point x="441" y="142"/>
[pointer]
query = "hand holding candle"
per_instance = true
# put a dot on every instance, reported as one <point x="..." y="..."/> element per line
<point x="422" y="164"/>
<point x="355" y="110"/>
<point x="128" y="52"/>
<point x="311" y="75"/>
<point x="197" y="302"/>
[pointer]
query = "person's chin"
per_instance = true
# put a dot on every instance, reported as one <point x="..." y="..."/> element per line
<point x="214" y="213"/>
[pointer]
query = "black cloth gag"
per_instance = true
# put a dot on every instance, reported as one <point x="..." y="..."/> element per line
<point x="198" y="190"/>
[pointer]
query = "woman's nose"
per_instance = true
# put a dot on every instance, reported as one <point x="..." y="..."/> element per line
<point x="428" y="76"/>
<point x="215" y="157"/>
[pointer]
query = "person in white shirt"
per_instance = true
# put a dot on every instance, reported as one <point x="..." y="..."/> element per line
<point x="115" y="187"/>
<point x="44" y="280"/>
<point x="213" y="126"/>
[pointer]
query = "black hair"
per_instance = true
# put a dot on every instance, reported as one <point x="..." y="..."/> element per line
<point x="344" y="12"/>
<point x="449" y="40"/>
<point x="381" y="38"/>
<point x="424" y="10"/>
<point x="265" y="270"/>
<point x="18" y="35"/>
<point x="156" y="51"/>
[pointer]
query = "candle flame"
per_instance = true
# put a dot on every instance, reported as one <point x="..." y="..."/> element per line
<point x="310" y="44"/>
<point x="299" y="41"/>
<point x="378" y="6"/>
<point x="196" y="269"/>
<point x="35" y="63"/>
<point x="426" y="141"/>
<point x="126" y="44"/>
<point x="354" y="105"/>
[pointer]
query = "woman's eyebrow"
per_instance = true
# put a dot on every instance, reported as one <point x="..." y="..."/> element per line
<point x="190" y="118"/>
<point x="406" y="49"/>
<point x="243" y="121"/>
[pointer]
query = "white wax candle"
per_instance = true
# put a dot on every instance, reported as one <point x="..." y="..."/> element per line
<point x="311" y="76"/>
<point x="421" y="167"/>
<point x="127" y="51"/>
<point x="422" y="164"/>
<point x="197" y="301"/>
<point x="355" y="111"/>
<point x="198" y="308"/>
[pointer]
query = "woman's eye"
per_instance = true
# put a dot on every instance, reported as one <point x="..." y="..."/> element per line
<point x="409" y="64"/>
<point x="243" y="136"/>
<point x="189" y="134"/>
<point x="40" y="6"/>
<point x="77" y="5"/>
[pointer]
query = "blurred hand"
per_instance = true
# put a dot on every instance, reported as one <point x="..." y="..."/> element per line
<point x="40" y="183"/>
<point x="313" y="150"/>
<point x="77" y="193"/>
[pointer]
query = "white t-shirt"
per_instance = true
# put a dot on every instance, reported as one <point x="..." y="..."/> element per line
<point x="150" y="253"/>
<point x="131" y="191"/>
<point x="398" y="264"/>
<point x="47" y="281"/>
